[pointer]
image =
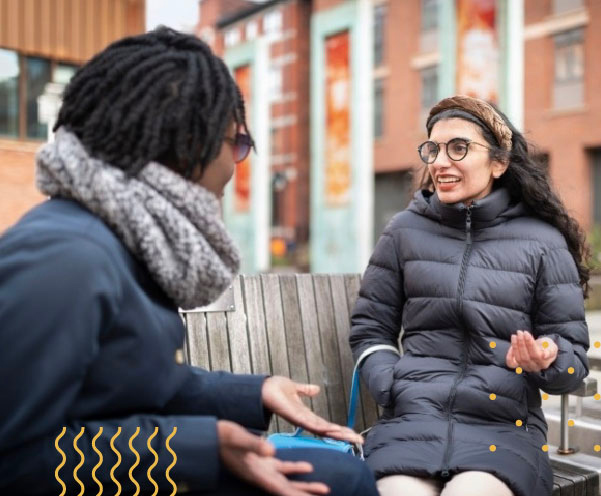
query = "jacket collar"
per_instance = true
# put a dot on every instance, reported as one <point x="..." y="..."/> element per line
<point x="495" y="208"/>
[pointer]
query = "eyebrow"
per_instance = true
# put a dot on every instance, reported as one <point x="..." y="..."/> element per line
<point x="455" y="137"/>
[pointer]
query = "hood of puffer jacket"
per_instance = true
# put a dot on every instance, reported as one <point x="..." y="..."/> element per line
<point x="496" y="208"/>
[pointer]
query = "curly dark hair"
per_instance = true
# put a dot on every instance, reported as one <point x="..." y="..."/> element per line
<point x="161" y="96"/>
<point x="528" y="181"/>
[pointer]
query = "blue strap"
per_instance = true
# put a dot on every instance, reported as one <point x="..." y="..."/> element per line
<point x="352" y="404"/>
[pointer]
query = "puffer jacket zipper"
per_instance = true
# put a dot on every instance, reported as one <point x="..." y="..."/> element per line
<point x="466" y="255"/>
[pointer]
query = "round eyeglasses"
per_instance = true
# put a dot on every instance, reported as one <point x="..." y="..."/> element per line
<point x="242" y="144"/>
<point x="456" y="149"/>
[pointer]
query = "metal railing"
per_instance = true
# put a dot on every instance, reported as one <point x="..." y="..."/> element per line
<point x="588" y="387"/>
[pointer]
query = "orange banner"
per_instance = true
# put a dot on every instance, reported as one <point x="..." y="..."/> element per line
<point x="477" y="49"/>
<point x="242" y="175"/>
<point x="338" y="120"/>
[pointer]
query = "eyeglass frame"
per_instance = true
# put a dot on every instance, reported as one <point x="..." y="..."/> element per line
<point x="467" y="142"/>
<point x="240" y="139"/>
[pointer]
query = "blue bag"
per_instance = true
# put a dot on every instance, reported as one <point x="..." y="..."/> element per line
<point x="296" y="439"/>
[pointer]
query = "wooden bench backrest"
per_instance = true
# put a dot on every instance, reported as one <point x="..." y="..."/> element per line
<point x="293" y="325"/>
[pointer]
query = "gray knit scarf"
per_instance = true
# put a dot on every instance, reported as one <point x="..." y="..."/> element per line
<point x="172" y="225"/>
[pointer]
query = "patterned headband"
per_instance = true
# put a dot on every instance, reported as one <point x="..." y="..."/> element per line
<point x="481" y="109"/>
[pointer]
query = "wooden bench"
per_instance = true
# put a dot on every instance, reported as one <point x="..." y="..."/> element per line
<point x="297" y="325"/>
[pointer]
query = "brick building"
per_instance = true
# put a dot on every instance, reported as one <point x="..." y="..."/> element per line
<point x="230" y="26"/>
<point x="42" y="42"/>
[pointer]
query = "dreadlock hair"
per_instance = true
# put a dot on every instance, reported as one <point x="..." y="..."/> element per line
<point x="161" y="96"/>
<point x="527" y="180"/>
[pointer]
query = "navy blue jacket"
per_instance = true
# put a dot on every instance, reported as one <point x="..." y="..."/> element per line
<point x="88" y="342"/>
<point x="460" y="281"/>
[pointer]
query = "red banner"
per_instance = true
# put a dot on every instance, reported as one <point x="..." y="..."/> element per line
<point x="242" y="175"/>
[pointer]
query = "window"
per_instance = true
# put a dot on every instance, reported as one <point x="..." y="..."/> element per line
<point x="569" y="69"/>
<point x="63" y="73"/>
<point x="379" y="34"/>
<point x="429" y="15"/>
<point x="232" y="37"/>
<point x="560" y="6"/>
<point x="38" y="75"/>
<point x="252" y="29"/>
<point x="429" y="87"/>
<point x="378" y="108"/>
<point x="392" y="194"/>
<point x="429" y="24"/>
<point x="595" y="161"/>
<point x="272" y="24"/>
<point x="9" y="93"/>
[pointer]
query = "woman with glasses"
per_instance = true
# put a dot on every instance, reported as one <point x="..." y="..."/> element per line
<point x="95" y="398"/>
<point x="485" y="273"/>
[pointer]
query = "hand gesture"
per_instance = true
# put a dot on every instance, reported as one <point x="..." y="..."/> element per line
<point x="530" y="354"/>
<point x="251" y="459"/>
<point x="283" y="397"/>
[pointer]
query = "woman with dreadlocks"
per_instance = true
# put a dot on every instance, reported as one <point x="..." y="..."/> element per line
<point x="90" y="284"/>
<point x="485" y="273"/>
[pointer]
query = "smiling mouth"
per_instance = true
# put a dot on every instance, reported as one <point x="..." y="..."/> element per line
<point x="447" y="180"/>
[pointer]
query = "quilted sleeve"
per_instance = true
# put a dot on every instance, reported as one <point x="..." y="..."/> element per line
<point x="559" y="314"/>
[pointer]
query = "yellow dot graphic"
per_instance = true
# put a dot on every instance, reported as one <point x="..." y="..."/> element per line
<point x="493" y="344"/>
<point x="545" y="344"/>
<point x="597" y="344"/>
<point x="571" y="370"/>
<point x="571" y="423"/>
<point x="598" y="396"/>
<point x="519" y="370"/>
<point x="493" y="396"/>
<point x="597" y="448"/>
<point x="518" y="423"/>
<point x="493" y="448"/>
<point x="545" y="396"/>
<point x="545" y="447"/>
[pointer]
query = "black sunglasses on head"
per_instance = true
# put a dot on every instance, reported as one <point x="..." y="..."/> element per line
<point x="242" y="144"/>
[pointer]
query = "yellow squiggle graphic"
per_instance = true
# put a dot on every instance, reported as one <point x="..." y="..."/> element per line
<point x="118" y="461"/>
<point x="156" y="460"/>
<point x="131" y="470"/>
<point x="173" y="463"/>
<point x="82" y="459"/>
<point x="99" y="462"/>
<point x="59" y="480"/>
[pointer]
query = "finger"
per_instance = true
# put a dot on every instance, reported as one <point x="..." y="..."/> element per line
<point x="510" y="358"/>
<point x="516" y="349"/>
<point x="255" y="444"/>
<point x="345" y="434"/>
<point x="311" y="487"/>
<point x="307" y="389"/>
<point x="528" y="361"/>
<point x="288" y="468"/>
<point x="536" y="352"/>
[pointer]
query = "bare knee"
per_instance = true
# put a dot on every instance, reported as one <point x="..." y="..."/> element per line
<point x="406" y="485"/>
<point x="476" y="484"/>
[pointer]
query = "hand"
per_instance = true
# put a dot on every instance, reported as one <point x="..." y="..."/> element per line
<point x="283" y="397"/>
<point x="251" y="459"/>
<point x="528" y="353"/>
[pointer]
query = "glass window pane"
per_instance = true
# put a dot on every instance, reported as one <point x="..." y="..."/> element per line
<point x="38" y="74"/>
<point x="9" y="93"/>
<point x="429" y="87"/>
<point x="378" y="108"/>
<point x="379" y="24"/>
<point x="429" y="14"/>
<point x="63" y="73"/>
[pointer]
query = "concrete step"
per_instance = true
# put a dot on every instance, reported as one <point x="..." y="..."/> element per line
<point x="584" y="435"/>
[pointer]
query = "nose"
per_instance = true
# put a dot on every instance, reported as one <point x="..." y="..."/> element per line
<point x="442" y="159"/>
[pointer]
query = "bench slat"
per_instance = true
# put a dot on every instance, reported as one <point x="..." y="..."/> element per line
<point x="259" y="349"/>
<point x="198" y="346"/>
<point x="370" y="409"/>
<point x="334" y="384"/>
<point x="238" y="337"/>
<point x="294" y="331"/>
<point x="219" y="348"/>
<point x="315" y="365"/>
<point x="343" y="325"/>
<point x="276" y="333"/>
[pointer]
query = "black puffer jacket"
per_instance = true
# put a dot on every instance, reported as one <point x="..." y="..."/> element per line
<point x="459" y="279"/>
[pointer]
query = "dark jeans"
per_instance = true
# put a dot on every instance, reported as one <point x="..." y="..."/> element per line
<point x="344" y="474"/>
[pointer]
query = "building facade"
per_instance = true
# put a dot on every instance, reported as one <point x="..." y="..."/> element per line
<point x="40" y="43"/>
